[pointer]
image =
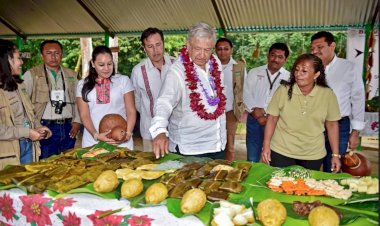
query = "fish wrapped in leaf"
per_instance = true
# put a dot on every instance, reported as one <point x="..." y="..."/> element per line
<point x="231" y="186"/>
<point x="67" y="184"/>
<point x="217" y="195"/>
<point x="7" y="178"/>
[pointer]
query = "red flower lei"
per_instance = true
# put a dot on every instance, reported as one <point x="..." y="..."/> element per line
<point x="195" y="97"/>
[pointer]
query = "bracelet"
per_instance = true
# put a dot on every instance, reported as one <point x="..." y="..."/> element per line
<point x="335" y="155"/>
<point x="96" y="136"/>
<point x="128" y="134"/>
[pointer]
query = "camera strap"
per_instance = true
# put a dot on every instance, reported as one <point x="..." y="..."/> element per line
<point x="50" y="88"/>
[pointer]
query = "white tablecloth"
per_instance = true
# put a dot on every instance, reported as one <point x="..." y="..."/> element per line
<point x="17" y="208"/>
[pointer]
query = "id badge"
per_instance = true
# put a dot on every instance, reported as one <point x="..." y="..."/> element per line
<point x="57" y="95"/>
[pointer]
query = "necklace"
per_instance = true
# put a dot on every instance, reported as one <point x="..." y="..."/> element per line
<point x="192" y="80"/>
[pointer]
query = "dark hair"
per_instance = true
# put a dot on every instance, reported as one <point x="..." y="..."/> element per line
<point x="329" y="38"/>
<point x="280" y="46"/>
<point x="224" y="40"/>
<point x="318" y="67"/>
<point x="8" y="81"/>
<point x="50" y="42"/>
<point x="151" y="31"/>
<point x="90" y="80"/>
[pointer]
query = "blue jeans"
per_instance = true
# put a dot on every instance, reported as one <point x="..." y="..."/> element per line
<point x="344" y="135"/>
<point x="60" y="140"/>
<point x="26" y="151"/>
<point x="254" y="139"/>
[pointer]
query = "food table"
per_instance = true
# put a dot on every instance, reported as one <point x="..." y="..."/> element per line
<point x="83" y="206"/>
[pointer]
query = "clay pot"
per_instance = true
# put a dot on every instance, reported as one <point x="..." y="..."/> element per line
<point x="356" y="164"/>
<point x="110" y="121"/>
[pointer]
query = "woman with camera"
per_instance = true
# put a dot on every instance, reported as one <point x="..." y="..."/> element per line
<point x="18" y="135"/>
<point x="104" y="92"/>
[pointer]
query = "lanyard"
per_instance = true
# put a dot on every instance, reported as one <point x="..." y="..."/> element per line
<point x="270" y="82"/>
<point x="47" y="82"/>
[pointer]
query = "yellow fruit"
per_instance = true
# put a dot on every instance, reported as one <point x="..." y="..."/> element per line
<point x="323" y="215"/>
<point x="106" y="181"/>
<point x="131" y="188"/>
<point x="193" y="201"/>
<point x="156" y="193"/>
<point x="271" y="212"/>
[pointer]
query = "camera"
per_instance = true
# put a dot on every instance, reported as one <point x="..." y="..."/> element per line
<point x="58" y="105"/>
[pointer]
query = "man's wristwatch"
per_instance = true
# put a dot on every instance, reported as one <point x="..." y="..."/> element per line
<point x="335" y="155"/>
<point x="355" y="130"/>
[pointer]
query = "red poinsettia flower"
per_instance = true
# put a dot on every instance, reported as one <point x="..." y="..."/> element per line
<point x="60" y="204"/>
<point x="6" y="207"/>
<point x="143" y="220"/>
<point x="34" y="209"/>
<point x="71" y="220"/>
<point x="2" y="223"/>
<point x="192" y="80"/>
<point x="107" y="220"/>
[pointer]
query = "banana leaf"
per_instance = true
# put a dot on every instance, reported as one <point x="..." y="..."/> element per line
<point x="170" y="156"/>
<point x="205" y="215"/>
<point x="88" y="188"/>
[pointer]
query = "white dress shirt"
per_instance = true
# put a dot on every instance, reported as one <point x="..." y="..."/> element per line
<point x="349" y="89"/>
<point x="228" y="84"/>
<point x="257" y="92"/>
<point x="142" y="101"/>
<point x="186" y="129"/>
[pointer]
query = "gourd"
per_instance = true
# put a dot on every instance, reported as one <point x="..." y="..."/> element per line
<point x="116" y="123"/>
<point x="356" y="164"/>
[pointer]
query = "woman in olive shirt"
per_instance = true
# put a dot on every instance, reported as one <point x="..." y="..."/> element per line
<point x="298" y="114"/>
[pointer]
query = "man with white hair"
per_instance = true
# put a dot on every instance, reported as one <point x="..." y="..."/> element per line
<point x="189" y="114"/>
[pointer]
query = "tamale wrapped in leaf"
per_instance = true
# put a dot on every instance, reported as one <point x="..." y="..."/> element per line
<point x="204" y="171"/>
<point x="194" y="182"/>
<point x="139" y="162"/>
<point x="231" y="186"/>
<point x="246" y="166"/>
<point x="220" y="175"/>
<point x="184" y="174"/>
<point x="194" y="166"/>
<point x="234" y="175"/>
<point x="168" y="179"/>
<point x="179" y="190"/>
<point x="210" y="185"/>
<point x="216" y="162"/>
<point x="217" y="195"/>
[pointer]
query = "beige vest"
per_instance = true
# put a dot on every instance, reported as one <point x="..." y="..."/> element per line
<point x="40" y="91"/>
<point x="238" y="72"/>
<point x="10" y="150"/>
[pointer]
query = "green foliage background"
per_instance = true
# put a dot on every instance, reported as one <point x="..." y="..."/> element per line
<point x="131" y="52"/>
